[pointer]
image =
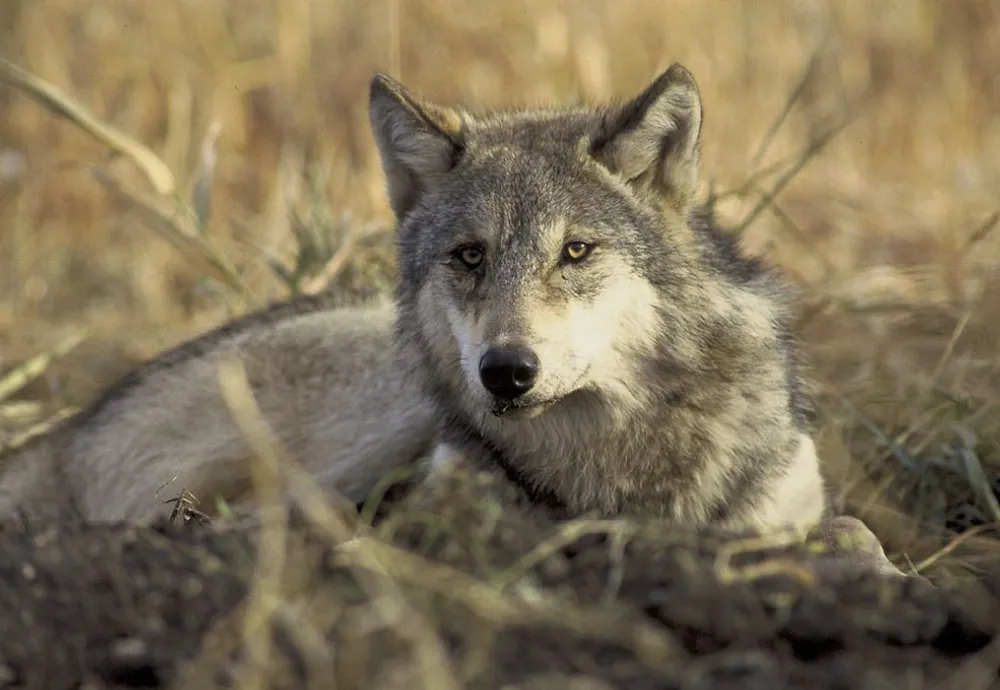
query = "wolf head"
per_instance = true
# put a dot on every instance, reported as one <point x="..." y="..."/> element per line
<point x="539" y="249"/>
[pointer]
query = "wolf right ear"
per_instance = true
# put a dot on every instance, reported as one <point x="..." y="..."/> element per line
<point x="653" y="140"/>
<point x="417" y="141"/>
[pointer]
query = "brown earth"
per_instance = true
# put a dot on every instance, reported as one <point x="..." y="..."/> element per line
<point x="618" y="606"/>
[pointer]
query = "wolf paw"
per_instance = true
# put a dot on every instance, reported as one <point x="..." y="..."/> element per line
<point x="846" y="545"/>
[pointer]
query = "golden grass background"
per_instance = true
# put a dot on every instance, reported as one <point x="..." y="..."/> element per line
<point x="889" y="229"/>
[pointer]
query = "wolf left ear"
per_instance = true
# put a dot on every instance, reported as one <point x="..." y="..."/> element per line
<point x="417" y="141"/>
<point x="653" y="140"/>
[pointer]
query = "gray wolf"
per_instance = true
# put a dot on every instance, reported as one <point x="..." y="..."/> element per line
<point x="579" y="321"/>
<point x="565" y="313"/>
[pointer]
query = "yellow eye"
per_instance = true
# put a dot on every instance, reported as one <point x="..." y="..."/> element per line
<point x="470" y="256"/>
<point x="576" y="251"/>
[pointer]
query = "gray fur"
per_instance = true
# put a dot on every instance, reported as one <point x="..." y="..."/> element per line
<point x="308" y="364"/>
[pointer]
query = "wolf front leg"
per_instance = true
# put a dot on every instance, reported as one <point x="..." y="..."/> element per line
<point x="845" y="544"/>
<point x="796" y="498"/>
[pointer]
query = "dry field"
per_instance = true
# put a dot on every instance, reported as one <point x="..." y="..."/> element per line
<point x="854" y="143"/>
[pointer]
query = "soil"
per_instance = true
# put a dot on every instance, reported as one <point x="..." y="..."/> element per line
<point x="621" y="606"/>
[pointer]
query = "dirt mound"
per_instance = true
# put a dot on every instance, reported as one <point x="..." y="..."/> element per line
<point x="464" y="588"/>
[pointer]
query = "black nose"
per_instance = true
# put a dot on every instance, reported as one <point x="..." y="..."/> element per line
<point x="508" y="372"/>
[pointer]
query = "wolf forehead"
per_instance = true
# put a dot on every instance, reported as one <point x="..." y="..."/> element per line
<point x="512" y="190"/>
<point x="547" y="149"/>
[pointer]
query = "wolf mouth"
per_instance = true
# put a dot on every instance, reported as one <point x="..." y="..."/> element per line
<point x="515" y="409"/>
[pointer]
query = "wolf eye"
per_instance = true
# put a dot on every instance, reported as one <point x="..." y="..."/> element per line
<point x="471" y="256"/>
<point x="576" y="251"/>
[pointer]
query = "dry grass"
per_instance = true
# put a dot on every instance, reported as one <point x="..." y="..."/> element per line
<point x="257" y="108"/>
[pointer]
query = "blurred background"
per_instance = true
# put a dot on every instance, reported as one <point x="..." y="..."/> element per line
<point x="856" y="144"/>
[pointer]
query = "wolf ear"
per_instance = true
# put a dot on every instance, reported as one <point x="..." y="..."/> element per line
<point x="417" y="141"/>
<point x="653" y="140"/>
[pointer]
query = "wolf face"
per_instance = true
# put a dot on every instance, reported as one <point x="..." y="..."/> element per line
<point x="536" y="247"/>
